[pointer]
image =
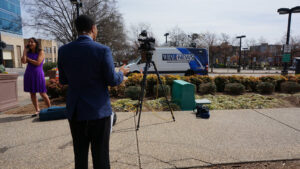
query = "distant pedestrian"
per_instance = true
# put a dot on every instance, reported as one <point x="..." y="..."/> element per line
<point x="88" y="69"/>
<point x="34" y="78"/>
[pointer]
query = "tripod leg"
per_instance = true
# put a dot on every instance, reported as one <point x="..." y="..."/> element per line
<point x="161" y="84"/>
<point x="140" y="102"/>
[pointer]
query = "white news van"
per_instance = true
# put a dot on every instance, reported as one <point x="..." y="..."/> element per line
<point x="175" y="60"/>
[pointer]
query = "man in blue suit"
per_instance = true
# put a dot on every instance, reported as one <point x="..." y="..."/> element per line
<point x="88" y="69"/>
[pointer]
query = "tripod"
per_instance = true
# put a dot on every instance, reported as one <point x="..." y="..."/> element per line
<point x="143" y="84"/>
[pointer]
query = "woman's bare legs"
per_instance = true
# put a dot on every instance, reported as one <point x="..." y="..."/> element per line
<point x="35" y="102"/>
<point x="46" y="99"/>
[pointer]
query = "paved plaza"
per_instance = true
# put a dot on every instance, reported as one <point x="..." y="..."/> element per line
<point x="229" y="136"/>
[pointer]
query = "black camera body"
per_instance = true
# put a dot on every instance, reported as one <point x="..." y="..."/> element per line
<point x="147" y="46"/>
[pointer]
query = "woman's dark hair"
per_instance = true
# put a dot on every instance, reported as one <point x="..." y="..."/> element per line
<point x="37" y="47"/>
<point x="84" y="23"/>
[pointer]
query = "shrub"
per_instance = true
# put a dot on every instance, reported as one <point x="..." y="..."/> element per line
<point x="276" y="80"/>
<point x="186" y="78"/>
<point x="48" y="66"/>
<point x="279" y="79"/>
<point x="133" y="92"/>
<point x="161" y="104"/>
<point x="250" y="83"/>
<point x="151" y="81"/>
<point x="134" y="79"/>
<point x="55" y="89"/>
<point x="124" y="105"/>
<point x="235" y="79"/>
<point x="195" y="80"/>
<point x="158" y="91"/>
<point x="298" y="78"/>
<point x="207" y="88"/>
<point x="290" y="87"/>
<point x="205" y="78"/>
<point x="171" y="78"/>
<point x="271" y="79"/>
<point x="117" y="91"/>
<point x="265" y="88"/>
<point x="220" y="82"/>
<point x="234" y="88"/>
<point x="291" y="78"/>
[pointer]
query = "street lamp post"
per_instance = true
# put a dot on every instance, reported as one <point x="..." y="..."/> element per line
<point x="166" y="35"/>
<point x="240" y="52"/>
<point x="244" y="58"/>
<point x="78" y="4"/>
<point x="287" y="53"/>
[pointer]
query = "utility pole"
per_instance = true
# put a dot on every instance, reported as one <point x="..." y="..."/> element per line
<point x="240" y="52"/>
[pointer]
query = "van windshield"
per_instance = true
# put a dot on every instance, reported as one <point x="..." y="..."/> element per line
<point x="135" y="60"/>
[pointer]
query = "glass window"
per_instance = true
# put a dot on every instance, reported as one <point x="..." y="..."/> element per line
<point x="10" y="16"/>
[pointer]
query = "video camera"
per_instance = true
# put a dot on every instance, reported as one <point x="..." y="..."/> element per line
<point x="146" y="46"/>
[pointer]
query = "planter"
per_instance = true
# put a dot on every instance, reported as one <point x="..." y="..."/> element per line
<point x="8" y="91"/>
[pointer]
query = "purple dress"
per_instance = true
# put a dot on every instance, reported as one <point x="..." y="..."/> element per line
<point x="34" y="79"/>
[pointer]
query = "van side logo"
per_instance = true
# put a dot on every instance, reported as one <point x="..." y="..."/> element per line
<point x="177" y="57"/>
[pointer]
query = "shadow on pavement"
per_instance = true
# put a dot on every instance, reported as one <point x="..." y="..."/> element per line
<point x="12" y="119"/>
<point x="37" y="120"/>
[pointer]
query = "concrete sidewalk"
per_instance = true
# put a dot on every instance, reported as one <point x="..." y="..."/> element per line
<point x="228" y="136"/>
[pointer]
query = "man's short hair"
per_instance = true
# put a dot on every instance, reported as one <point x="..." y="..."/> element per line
<point x="84" y="24"/>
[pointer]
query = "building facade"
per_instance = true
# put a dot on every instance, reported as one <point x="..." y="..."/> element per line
<point x="11" y="32"/>
<point x="10" y="16"/>
<point x="267" y="54"/>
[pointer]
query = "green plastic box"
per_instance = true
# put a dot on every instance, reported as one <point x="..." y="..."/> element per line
<point x="183" y="94"/>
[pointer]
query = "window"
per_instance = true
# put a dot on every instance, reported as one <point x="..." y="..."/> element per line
<point x="45" y="49"/>
<point x="54" y="49"/>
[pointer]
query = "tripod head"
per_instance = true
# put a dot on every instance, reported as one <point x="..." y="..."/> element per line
<point x="146" y="47"/>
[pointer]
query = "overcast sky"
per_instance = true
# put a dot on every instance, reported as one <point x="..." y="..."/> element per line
<point x="253" y="18"/>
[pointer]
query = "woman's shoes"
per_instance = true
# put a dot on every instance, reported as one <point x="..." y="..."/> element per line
<point x="35" y="114"/>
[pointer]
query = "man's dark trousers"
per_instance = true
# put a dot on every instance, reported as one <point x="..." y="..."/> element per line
<point x="96" y="133"/>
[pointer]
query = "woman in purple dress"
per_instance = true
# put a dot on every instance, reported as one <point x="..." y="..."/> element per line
<point x="34" y="79"/>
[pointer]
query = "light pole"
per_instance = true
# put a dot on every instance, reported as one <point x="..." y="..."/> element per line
<point x="240" y="52"/>
<point x="166" y="35"/>
<point x="244" y="58"/>
<point x="287" y="53"/>
<point x="78" y="4"/>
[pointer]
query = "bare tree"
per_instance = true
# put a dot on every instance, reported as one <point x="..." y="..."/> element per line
<point x="224" y="38"/>
<point x="55" y="18"/>
<point x="135" y="31"/>
<point x="262" y="40"/>
<point x="178" y="37"/>
<point x="210" y="40"/>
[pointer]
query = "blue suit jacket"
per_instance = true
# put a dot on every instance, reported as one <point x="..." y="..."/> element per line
<point x="88" y="68"/>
